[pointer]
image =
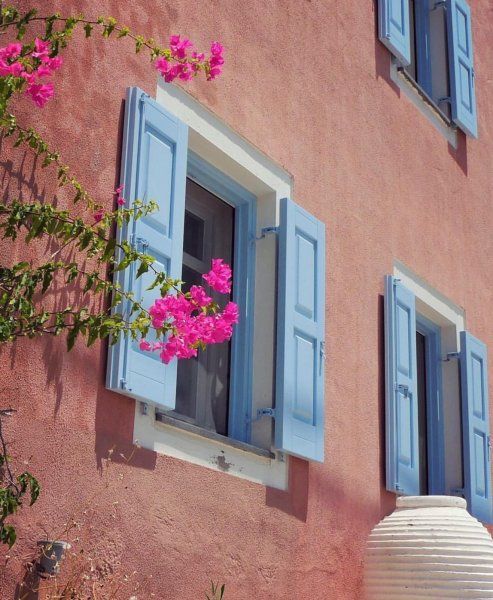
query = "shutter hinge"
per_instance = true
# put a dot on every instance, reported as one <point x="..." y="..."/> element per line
<point x="136" y="241"/>
<point x="265" y="231"/>
<point x="323" y="356"/>
<point x="451" y="356"/>
<point x="123" y="385"/>
<point x="439" y="4"/>
<point x="400" y="387"/>
<point x="398" y="488"/>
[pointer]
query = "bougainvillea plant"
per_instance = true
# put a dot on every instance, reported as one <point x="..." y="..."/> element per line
<point x="84" y="248"/>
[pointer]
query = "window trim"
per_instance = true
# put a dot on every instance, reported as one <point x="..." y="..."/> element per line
<point x="435" y="426"/>
<point x="240" y="388"/>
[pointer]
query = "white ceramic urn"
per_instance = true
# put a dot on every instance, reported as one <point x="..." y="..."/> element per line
<point x="429" y="547"/>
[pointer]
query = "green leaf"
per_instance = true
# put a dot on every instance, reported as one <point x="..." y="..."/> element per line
<point x="8" y="535"/>
<point x="143" y="268"/>
<point x="71" y="337"/>
<point x="88" y="29"/>
<point x="109" y="250"/>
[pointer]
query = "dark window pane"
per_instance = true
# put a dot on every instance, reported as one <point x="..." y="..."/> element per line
<point x="190" y="277"/>
<point x="202" y="394"/>
<point x="193" y="237"/>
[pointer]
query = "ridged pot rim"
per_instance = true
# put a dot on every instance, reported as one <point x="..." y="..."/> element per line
<point x="430" y="502"/>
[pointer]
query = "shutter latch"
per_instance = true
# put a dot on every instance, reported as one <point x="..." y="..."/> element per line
<point x="265" y="412"/>
<point x="265" y="231"/>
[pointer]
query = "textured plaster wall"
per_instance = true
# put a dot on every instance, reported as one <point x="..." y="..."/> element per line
<point x="308" y="83"/>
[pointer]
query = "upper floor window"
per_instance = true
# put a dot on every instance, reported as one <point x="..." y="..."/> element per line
<point x="432" y="42"/>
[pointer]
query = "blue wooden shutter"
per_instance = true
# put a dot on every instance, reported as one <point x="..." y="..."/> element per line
<point x="299" y="422"/>
<point x="463" y="96"/>
<point x="154" y="163"/>
<point x="401" y="389"/>
<point x="475" y="426"/>
<point x="394" y="28"/>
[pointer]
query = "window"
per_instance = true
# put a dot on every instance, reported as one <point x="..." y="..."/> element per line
<point x="421" y="382"/>
<point x="429" y="59"/>
<point x="432" y="42"/>
<point x="204" y="213"/>
<point x="202" y="388"/>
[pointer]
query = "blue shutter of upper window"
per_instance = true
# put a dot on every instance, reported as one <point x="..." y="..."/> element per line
<point x="463" y="96"/>
<point x="394" y="28"/>
<point x="299" y="422"/>
<point x="154" y="163"/>
<point x="475" y="426"/>
<point x="401" y="389"/>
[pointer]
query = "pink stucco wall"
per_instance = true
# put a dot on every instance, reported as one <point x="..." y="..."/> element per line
<point x="308" y="83"/>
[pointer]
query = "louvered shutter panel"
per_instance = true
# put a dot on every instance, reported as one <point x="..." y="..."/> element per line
<point x="154" y="163"/>
<point x="394" y="28"/>
<point x="402" y="446"/>
<point x="299" y="421"/>
<point x="475" y="426"/>
<point x="461" y="66"/>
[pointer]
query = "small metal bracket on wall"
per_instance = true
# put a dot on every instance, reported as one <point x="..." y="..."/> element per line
<point x="144" y="408"/>
<point x="265" y="231"/>
<point x="451" y="356"/>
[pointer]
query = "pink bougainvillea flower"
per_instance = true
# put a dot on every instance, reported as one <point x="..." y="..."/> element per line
<point x="29" y="77"/>
<point x="216" y="48"/>
<point x="10" y="51"/>
<point x="219" y="277"/>
<point x="186" y="71"/>
<point x="145" y="345"/>
<point x="118" y="192"/>
<point x="200" y="56"/>
<point x="52" y="64"/>
<point x="214" y="72"/>
<point x="199" y="296"/>
<point x="179" y="46"/>
<point x="41" y="48"/>
<point x="98" y="215"/>
<point x="16" y="69"/>
<point x="40" y="93"/>
<point x="162" y="65"/>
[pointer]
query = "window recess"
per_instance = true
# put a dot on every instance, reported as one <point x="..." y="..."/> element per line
<point x="204" y="213"/>
<point x="417" y="450"/>
<point x="432" y="42"/>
